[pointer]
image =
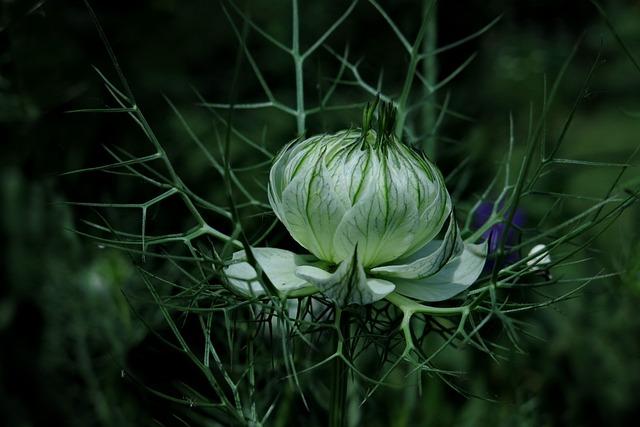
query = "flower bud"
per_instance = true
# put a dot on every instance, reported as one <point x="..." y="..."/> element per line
<point x="358" y="188"/>
<point x="368" y="208"/>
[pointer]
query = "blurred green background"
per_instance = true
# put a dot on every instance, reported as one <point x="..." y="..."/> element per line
<point x="67" y="332"/>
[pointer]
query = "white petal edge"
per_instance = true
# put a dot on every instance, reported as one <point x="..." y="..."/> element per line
<point x="278" y="264"/>
<point x="460" y="273"/>
<point x="429" y="260"/>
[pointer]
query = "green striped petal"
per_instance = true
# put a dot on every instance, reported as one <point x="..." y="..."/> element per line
<point x="382" y="222"/>
<point x="427" y="261"/>
<point x="313" y="209"/>
<point x="455" y="277"/>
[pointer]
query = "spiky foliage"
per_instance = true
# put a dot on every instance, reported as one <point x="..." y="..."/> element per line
<point x="258" y="356"/>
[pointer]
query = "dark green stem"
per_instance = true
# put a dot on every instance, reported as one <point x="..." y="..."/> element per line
<point x="411" y="70"/>
<point x="340" y="380"/>
<point x="430" y="71"/>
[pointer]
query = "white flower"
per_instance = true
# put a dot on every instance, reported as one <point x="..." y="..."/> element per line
<point x="368" y="209"/>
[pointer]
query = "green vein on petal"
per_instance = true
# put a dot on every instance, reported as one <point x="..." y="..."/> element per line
<point x="427" y="261"/>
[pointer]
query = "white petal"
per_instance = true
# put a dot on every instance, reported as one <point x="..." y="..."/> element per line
<point x="434" y="203"/>
<point x="424" y="264"/>
<point x="380" y="288"/>
<point x="278" y="264"/>
<point x="348" y="284"/>
<point x="382" y="223"/>
<point x="455" y="277"/>
<point x="312" y="209"/>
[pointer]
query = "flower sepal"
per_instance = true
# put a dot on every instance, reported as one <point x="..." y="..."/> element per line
<point x="349" y="284"/>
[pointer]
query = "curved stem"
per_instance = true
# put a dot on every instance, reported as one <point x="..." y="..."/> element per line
<point x="409" y="307"/>
<point x="338" y="408"/>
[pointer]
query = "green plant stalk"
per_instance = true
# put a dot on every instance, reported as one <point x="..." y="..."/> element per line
<point x="298" y="60"/>
<point x="430" y="71"/>
<point x="414" y="55"/>
<point x="340" y="379"/>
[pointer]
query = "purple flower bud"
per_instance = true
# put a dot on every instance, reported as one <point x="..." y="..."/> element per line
<point x="496" y="233"/>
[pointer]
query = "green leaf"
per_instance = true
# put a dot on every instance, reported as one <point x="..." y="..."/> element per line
<point x="278" y="264"/>
<point x="460" y="273"/>
<point x="348" y="284"/>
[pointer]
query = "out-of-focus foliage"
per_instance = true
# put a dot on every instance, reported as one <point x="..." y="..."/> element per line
<point x="70" y="312"/>
<point x="66" y="324"/>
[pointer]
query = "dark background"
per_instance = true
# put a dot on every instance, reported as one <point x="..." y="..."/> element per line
<point x="66" y="332"/>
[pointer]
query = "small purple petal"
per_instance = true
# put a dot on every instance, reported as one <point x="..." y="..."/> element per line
<point x="482" y="214"/>
<point x="496" y="233"/>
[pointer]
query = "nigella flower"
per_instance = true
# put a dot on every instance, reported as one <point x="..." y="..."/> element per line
<point x="368" y="209"/>
<point x="498" y="232"/>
